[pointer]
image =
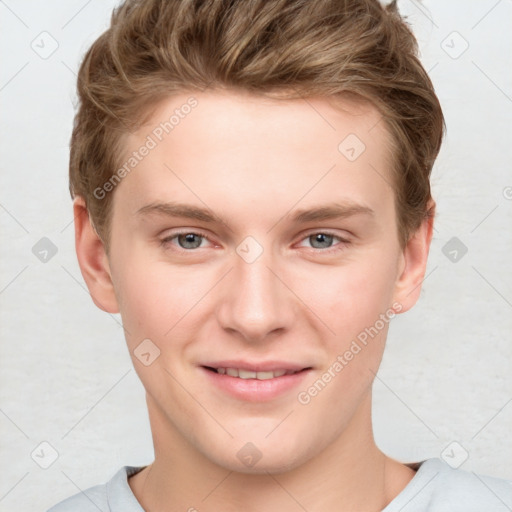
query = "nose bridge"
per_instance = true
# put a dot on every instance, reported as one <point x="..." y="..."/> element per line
<point x="255" y="303"/>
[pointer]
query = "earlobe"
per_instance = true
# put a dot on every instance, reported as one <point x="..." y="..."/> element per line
<point x="93" y="260"/>
<point x="414" y="263"/>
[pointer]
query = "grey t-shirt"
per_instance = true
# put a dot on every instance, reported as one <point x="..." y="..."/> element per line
<point x="436" y="487"/>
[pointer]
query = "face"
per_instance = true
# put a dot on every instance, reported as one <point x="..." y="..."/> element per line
<point x="257" y="237"/>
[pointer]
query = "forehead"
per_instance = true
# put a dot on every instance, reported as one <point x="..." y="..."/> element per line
<point x="231" y="142"/>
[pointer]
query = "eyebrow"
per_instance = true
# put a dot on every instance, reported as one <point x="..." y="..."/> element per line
<point x="325" y="212"/>
<point x="173" y="209"/>
<point x="330" y="211"/>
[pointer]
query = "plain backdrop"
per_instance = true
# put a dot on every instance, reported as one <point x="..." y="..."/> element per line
<point x="445" y="384"/>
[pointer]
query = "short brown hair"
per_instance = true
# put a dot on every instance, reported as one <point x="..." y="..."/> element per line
<point x="156" y="48"/>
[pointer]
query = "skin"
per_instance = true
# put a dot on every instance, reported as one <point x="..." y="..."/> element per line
<point x="254" y="162"/>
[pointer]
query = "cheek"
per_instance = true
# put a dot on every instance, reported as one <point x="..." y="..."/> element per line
<point x="356" y="306"/>
<point x="354" y="295"/>
<point x="158" y="299"/>
<point x="149" y="302"/>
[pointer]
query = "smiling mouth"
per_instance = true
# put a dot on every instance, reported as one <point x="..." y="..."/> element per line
<point x="249" y="374"/>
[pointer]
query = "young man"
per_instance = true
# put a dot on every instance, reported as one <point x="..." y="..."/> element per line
<point x="251" y="193"/>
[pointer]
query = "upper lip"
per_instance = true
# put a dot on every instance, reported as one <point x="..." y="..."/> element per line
<point x="254" y="366"/>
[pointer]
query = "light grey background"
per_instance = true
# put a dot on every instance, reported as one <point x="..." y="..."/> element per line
<point x="66" y="376"/>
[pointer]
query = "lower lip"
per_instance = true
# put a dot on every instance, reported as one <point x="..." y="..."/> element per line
<point x="254" y="390"/>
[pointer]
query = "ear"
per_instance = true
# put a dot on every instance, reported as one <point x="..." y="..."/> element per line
<point x="93" y="260"/>
<point x="413" y="263"/>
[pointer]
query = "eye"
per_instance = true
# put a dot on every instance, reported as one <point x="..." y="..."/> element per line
<point x="186" y="240"/>
<point x="324" y="240"/>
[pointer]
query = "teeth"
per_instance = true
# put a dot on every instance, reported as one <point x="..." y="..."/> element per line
<point x="247" y="374"/>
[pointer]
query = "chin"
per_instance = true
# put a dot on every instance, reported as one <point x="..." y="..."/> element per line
<point x="262" y="456"/>
<point x="265" y="465"/>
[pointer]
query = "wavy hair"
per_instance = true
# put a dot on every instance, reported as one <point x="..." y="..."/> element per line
<point x="296" y="48"/>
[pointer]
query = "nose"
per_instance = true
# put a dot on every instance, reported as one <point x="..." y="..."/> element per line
<point x="256" y="302"/>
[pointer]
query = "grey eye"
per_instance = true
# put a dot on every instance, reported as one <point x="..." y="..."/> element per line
<point x="187" y="241"/>
<point x="324" y="240"/>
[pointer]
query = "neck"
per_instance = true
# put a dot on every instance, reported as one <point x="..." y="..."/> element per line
<point x="349" y="474"/>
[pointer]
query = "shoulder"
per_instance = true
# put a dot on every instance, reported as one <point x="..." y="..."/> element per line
<point x="438" y="487"/>
<point x="113" y="496"/>
<point x="465" y="490"/>
<point x="91" y="499"/>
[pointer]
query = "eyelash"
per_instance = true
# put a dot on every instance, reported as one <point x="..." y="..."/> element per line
<point x="343" y="242"/>
<point x="167" y="240"/>
<point x="339" y="247"/>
